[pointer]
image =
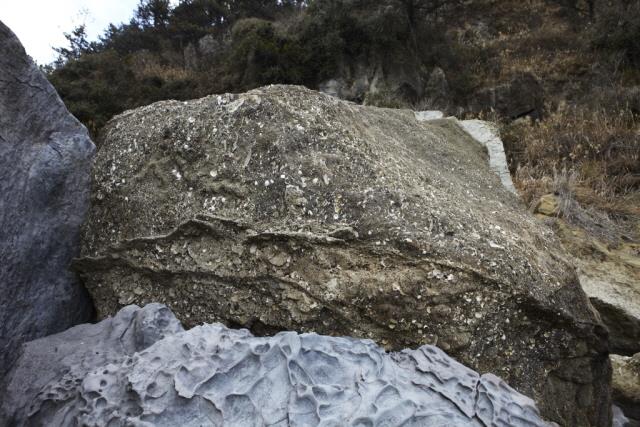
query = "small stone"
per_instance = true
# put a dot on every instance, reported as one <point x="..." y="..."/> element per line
<point x="278" y="260"/>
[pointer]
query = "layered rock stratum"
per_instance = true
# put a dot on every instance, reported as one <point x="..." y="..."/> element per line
<point x="141" y="368"/>
<point x="45" y="162"/>
<point x="285" y="209"/>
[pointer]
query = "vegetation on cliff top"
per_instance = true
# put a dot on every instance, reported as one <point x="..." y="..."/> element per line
<point x="585" y="53"/>
<point x="201" y="47"/>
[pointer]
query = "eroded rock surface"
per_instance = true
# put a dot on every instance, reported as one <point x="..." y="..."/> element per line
<point x="139" y="368"/>
<point x="51" y="370"/>
<point x="286" y="209"/>
<point x="45" y="161"/>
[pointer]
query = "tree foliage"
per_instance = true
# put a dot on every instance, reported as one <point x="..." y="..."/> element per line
<point x="198" y="47"/>
<point x="618" y="30"/>
<point x="78" y="45"/>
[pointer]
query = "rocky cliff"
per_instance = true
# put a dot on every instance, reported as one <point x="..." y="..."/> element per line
<point x="285" y="209"/>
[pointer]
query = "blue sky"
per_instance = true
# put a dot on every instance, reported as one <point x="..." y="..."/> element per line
<point x="40" y="24"/>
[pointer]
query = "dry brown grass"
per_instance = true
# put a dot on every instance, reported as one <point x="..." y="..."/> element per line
<point x="599" y="150"/>
<point x="146" y="65"/>
<point x="586" y="149"/>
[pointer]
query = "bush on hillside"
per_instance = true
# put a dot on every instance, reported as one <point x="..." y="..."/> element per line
<point x="261" y="54"/>
<point x="618" y="30"/>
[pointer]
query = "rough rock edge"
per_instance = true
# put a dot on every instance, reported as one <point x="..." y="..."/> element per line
<point x="140" y="367"/>
<point x="45" y="162"/>
<point x="486" y="134"/>
<point x="626" y="385"/>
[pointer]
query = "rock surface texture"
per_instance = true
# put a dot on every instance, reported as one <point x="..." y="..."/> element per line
<point x="286" y="209"/>
<point x="612" y="282"/>
<point x="626" y="385"/>
<point x="608" y="272"/>
<point x="45" y="161"/>
<point x="139" y="368"/>
<point x="486" y="134"/>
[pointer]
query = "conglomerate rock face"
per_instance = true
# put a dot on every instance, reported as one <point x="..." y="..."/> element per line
<point x="285" y="209"/>
<point x="45" y="161"/>
<point x="139" y="368"/>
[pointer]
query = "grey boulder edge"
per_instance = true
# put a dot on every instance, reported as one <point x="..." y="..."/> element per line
<point x="141" y="368"/>
<point x="45" y="163"/>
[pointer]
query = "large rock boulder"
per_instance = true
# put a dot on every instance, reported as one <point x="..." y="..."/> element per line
<point x="138" y="368"/>
<point x="60" y="367"/>
<point x="45" y="161"/>
<point x="611" y="279"/>
<point x="286" y="209"/>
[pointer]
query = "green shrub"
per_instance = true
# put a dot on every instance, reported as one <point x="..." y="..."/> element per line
<point x="261" y="42"/>
<point x="261" y="54"/>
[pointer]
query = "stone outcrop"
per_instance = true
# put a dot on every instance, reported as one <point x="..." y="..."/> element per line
<point x="626" y="385"/>
<point x="611" y="279"/>
<point x="205" y="53"/>
<point x="285" y="209"/>
<point x="139" y="368"/>
<point x="437" y="89"/>
<point x="486" y="134"/>
<point x="45" y="161"/>
<point x="609" y="273"/>
<point x="388" y="81"/>
<point x="619" y="419"/>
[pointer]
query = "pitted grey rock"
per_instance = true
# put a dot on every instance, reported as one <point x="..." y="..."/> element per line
<point x="63" y="362"/>
<point x="45" y="162"/>
<point x="214" y="376"/>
